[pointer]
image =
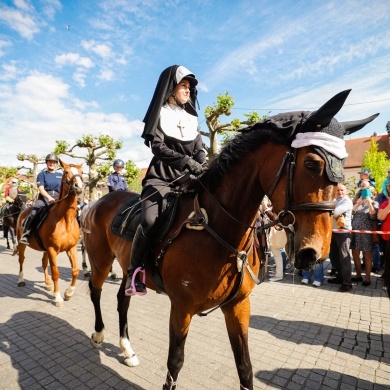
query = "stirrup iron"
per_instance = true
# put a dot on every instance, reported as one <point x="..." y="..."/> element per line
<point x="132" y="290"/>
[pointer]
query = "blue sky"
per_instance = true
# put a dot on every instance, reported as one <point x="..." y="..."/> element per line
<point x="99" y="75"/>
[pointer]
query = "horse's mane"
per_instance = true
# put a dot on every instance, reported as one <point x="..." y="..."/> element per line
<point x="248" y="140"/>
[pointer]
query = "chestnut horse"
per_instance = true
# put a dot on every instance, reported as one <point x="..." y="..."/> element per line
<point x="59" y="232"/>
<point x="215" y="266"/>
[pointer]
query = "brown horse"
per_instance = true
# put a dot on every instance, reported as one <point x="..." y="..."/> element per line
<point x="59" y="232"/>
<point x="216" y="264"/>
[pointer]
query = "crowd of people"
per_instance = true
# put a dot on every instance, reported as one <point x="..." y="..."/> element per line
<point x="354" y="256"/>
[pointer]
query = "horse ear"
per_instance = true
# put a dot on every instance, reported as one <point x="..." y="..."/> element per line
<point x="352" y="126"/>
<point x="326" y="112"/>
<point x="61" y="163"/>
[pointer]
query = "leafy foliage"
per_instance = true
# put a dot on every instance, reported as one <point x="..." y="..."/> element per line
<point x="377" y="162"/>
<point x="223" y="106"/>
<point x="98" y="152"/>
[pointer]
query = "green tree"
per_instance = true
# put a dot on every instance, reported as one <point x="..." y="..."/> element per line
<point x="377" y="162"/>
<point x="133" y="175"/>
<point x="97" y="151"/>
<point x="223" y="106"/>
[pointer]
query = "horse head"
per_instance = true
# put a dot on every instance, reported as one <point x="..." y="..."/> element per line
<point x="317" y="159"/>
<point x="20" y="201"/>
<point x="72" y="177"/>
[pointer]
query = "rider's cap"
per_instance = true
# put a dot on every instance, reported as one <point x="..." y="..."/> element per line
<point x="365" y="172"/>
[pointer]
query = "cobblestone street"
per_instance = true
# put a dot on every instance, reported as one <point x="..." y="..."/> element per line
<point x="301" y="337"/>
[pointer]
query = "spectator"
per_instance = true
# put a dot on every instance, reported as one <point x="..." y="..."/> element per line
<point x="384" y="216"/>
<point x="385" y="184"/>
<point x="277" y="240"/>
<point x="341" y="240"/>
<point x="318" y="275"/>
<point x="364" y="214"/>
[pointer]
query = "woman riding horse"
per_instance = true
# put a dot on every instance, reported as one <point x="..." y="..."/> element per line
<point x="49" y="183"/>
<point x="171" y="131"/>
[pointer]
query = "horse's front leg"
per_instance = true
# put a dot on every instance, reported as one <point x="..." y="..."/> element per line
<point x="48" y="281"/>
<point x="237" y="322"/>
<point x="131" y="358"/>
<point x="22" y="249"/>
<point x="179" y="324"/>
<point x="98" y="276"/>
<point x="55" y="275"/>
<point x="13" y="238"/>
<point x="72" y="254"/>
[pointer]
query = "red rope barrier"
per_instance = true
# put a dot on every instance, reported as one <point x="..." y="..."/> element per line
<point x="359" y="231"/>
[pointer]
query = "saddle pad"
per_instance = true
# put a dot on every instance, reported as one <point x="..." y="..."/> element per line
<point x="123" y="224"/>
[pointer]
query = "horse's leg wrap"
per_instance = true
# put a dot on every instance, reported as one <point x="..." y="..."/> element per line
<point x="170" y="384"/>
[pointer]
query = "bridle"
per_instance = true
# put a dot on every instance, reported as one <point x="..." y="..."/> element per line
<point x="71" y="185"/>
<point x="289" y="162"/>
<point x="71" y="182"/>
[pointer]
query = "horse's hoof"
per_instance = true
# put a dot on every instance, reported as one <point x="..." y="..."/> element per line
<point x="59" y="304"/>
<point x="96" y="344"/>
<point x="114" y="276"/>
<point x="49" y="287"/>
<point x="21" y="284"/>
<point x="131" y="361"/>
<point x="67" y="296"/>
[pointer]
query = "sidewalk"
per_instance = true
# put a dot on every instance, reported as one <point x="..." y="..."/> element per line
<point x="301" y="337"/>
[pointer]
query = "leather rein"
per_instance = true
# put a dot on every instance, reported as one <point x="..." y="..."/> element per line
<point x="198" y="219"/>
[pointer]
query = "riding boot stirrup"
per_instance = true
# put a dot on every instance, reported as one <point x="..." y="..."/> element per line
<point x="25" y="239"/>
<point x="141" y="243"/>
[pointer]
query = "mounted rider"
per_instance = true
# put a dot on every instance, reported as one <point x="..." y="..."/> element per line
<point x="12" y="192"/>
<point x="116" y="181"/>
<point x="171" y="131"/>
<point x="49" y="184"/>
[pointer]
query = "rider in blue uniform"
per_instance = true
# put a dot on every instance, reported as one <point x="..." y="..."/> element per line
<point x="49" y="184"/>
<point x="116" y="181"/>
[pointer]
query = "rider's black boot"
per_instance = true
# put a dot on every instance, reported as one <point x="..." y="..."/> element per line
<point x="138" y="252"/>
<point x="25" y="239"/>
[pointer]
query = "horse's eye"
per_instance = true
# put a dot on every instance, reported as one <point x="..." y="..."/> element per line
<point x="313" y="166"/>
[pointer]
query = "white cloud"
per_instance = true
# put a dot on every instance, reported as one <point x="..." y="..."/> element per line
<point x="3" y="45"/>
<point x="101" y="49"/>
<point x="40" y="109"/>
<point x="106" y="75"/>
<point x="74" y="59"/>
<point x="9" y="71"/>
<point x="19" y="19"/>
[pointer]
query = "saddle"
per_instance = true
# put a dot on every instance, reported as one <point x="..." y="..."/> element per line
<point x="128" y="218"/>
<point x="37" y="221"/>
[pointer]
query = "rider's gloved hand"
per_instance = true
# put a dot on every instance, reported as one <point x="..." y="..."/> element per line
<point x="194" y="167"/>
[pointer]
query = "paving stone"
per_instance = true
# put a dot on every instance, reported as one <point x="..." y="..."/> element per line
<point x="299" y="338"/>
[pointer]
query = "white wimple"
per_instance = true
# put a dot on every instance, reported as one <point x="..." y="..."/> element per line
<point x="330" y="143"/>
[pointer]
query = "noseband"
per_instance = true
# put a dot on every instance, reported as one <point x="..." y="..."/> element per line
<point x="71" y="183"/>
<point x="289" y="162"/>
